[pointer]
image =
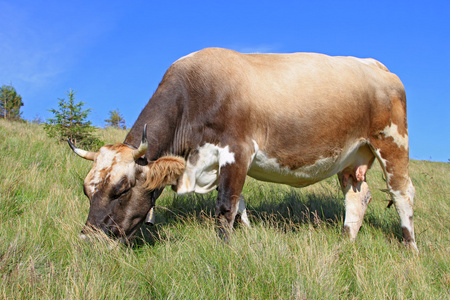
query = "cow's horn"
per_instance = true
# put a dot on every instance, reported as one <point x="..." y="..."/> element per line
<point x="143" y="146"/>
<point x="83" y="153"/>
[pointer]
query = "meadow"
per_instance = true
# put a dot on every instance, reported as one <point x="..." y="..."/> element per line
<point x="294" y="250"/>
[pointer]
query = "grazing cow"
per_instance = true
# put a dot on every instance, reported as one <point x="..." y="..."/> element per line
<point x="219" y="115"/>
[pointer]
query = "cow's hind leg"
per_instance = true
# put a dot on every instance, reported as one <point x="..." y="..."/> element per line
<point x="357" y="197"/>
<point x="394" y="159"/>
<point x="356" y="191"/>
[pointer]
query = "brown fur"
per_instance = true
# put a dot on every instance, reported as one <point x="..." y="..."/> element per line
<point x="164" y="171"/>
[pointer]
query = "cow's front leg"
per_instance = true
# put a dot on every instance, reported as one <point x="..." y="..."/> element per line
<point x="231" y="182"/>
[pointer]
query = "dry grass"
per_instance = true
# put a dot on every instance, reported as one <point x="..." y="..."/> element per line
<point x="294" y="250"/>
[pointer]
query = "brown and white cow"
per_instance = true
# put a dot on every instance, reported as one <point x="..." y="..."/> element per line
<point x="219" y="115"/>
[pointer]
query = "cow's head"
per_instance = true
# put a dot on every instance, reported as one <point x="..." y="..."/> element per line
<point x="122" y="186"/>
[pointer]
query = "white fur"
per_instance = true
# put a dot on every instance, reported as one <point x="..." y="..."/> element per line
<point x="243" y="212"/>
<point x="186" y="56"/>
<point x="356" y="200"/>
<point x="225" y="156"/>
<point x="399" y="140"/>
<point x="202" y="176"/>
<point x="404" y="206"/>
<point x="256" y="147"/>
<point x="112" y="161"/>
<point x="268" y="169"/>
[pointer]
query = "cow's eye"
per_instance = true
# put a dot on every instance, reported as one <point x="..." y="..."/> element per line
<point x="123" y="193"/>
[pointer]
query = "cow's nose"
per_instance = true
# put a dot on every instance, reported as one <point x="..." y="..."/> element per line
<point x="90" y="228"/>
<point x="90" y="231"/>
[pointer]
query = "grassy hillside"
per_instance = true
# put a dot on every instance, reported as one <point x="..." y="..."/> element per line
<point x="294" y="250"/>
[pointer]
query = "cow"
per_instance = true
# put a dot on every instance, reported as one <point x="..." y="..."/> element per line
<point x="219" y="115"/>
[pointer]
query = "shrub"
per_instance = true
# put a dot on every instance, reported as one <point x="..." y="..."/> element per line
<point x="10" y="103"/>
<point x="115" y="120"/>
<point x="70" y="123"/>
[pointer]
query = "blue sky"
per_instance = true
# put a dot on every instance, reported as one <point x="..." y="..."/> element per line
<point x="114" y="53"/>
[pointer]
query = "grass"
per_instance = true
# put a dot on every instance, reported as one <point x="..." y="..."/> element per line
<point x="294" y="250"/>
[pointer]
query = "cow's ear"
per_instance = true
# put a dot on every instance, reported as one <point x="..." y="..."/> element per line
<point x="164" y="171"/>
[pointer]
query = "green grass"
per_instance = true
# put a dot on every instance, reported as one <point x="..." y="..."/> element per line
<point x="294" y="250"/>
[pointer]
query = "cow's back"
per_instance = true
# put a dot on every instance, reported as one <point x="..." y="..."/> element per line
<point x="298" y="108"/>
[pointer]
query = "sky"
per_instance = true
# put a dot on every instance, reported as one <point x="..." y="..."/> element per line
<point x="114" y="53"/>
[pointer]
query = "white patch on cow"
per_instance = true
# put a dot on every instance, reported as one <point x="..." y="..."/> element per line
<point x="399" y="140"/>
<point x="202" y="171"/>
<point x="107" y="157"/>
<point x="110" y="161"/>
<point x="268" y="169"/>
<point x="411" y="192"/>
<point x="225" y="156"/>
<point x="407" y="196"/>
<point x="383" y="163"/>
<point x="371" y="62"/>
<point x="356" y="200"/>
<point x="186" y="56"/>
<point x="367" y="61"/>
<point x="256" y="149"/>
<point x="241" y="209"/>
<point x="404" y="206"/>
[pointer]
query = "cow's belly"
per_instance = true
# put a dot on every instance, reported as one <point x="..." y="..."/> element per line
<point x="268" y="169"/>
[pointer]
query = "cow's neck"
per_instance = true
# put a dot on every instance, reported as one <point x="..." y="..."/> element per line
<point x="163" y="117"/>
